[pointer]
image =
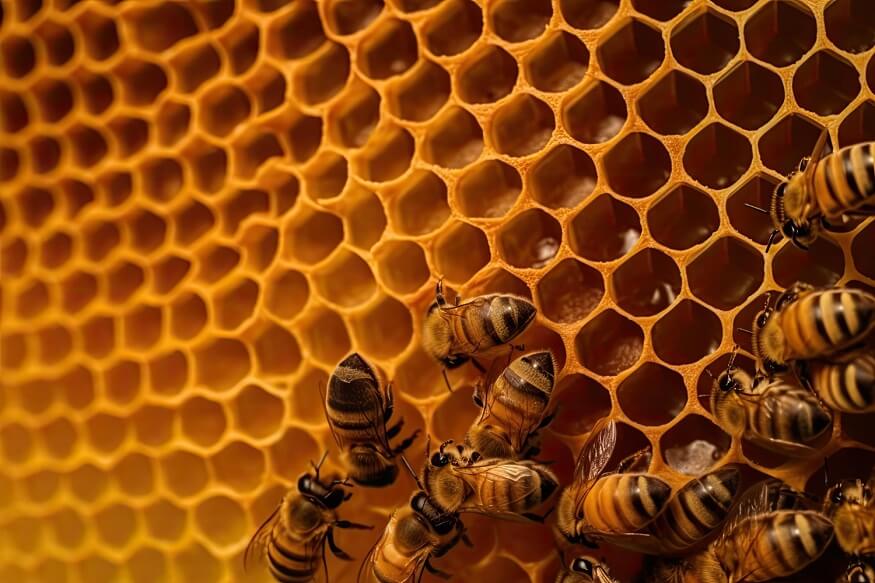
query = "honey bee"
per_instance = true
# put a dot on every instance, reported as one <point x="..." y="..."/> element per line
<point x="357" y="413"/>
<point x="860" y="570"/>
<point x="584" y="569"/>
<point x="414" y="535"/>
<point x="292" y="539"/>
<point x="846" y="387"/>
<point x="777" y="415"/>
<point x="821" y="190"/>
<point x="452" y="334"/>
<point x="459" y="480"/>
<point x="850" y="504"/>
<point x="599" y="503"/>
<point x="808" y="323"/>
<point x="514" y="408"/>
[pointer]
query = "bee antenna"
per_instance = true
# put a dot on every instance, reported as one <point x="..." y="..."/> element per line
<point x="745" y="330"/>
<point x="732" y="358"/>
<point x="412" y="472"/>
<point x="317" y="467"/>
<point x="710" y="374"/>
<point x="756" y="208"/>
<point x="826" y="472"/>
<point x="771" y="240"/>
<point x="446" y="379"/>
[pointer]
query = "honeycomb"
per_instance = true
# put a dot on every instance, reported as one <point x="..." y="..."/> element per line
<point x="207" y="204"/>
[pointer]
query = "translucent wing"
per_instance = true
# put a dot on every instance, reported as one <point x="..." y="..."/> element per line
<point x="376" y="425"/>
<point x="816" y="154"/>
<point x="485" y="478"/>
<point x="259" y="540"/>
<point x="767" y="402"/>
<point x="596" y="451"/>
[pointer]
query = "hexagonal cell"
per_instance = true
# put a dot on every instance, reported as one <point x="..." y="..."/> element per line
<point x="858" y="126"/>
<point x="850" y="25"/>
<point x="10" y="163"/>
<point x="345" y="280"/>
<point x="32" y="300"/>
<point x="588" y="14"/>
<point x="596" y="114"/>
<point x="385" y="330"/>
<point x="605" y="229"/>
<point x="188" y="316"/>
<point x="122" y="381"/>
<point x="388" y="49"/>
<point x="194" y="65"/>
<point x="522" y="126"/>
<point x="570" y="291"/>
<point x="822" y="265"/>
<point x="419" y="94"/>
<point x="223" y="108"/>
<point x="16" y="443"/>
<point x="660" y="9"/>
<point x="147" y="564"/>
<point x="726" y="273"/>
<point x="453" y="140"/>
<point x="19" y="56"/>
<point x="323" y="76"/>
<point x="150" y="30"/>
<point x="220" y="363"/>
<point x="252" y="149"/>
<point x="609" y="343"/>
<point x="185" y="474"/>
<point x="637" y="166"/>
<point x="675" y="104"/>
<point x="235" y="304"/>
<point x="14" y="353"/>
<point x="295" y="34"/>
<point x="269" y="86"/>
<point x="153" y="425"/>
<point x="169" y="372"/>
<point x="221" y="520"/>
<point x="455" y="27"/>
<point x="78" y="290"/>
<point x="312" y="235"/>
<point x="487" y="76"/>
<point x="142" y="82"/>
<point x="687" y="333"/>
<point x="365" y="218"/>
<point x="402" y="266"/>
<point x="350" y="16"/>
<point x="54" y="98"/>
<point x="45" y="153"/>
<point x="717" y="156"/>
<point x="748" y="95"/>
<point x="170" y="271"/>
<point x="388" y="155"/>
<point x="825" y="83"/>
<point x="420" y="204"/>
<point x="557" y="63"/>
<point x="324" y="333"/>
<point x="652" y="394"/>
<point x="98" y="336"/>
<point x="683" y="218"/>
<point x="705" y="41"/>
<point x="202" y="421"/>
<point x="787" y="142"/>
<point x="106" y="433"/>
<point x="516" y="21"/>
<point x="694" y="445"/>
<point x="14" y="114"/>
<point x="193" y="561"/>
<point x="488" y="190"/>
<point x="863" y="260"/>
<point x="350" y="121"/>
<point x="530" y="239"/>
<point x="780" y="32"/>
<point x="646" y="283"/>
<point x="581" y="403"/>
<point x="286" y="294"/>
<point x="88" y="145"/>
<point x="293" y="444"/>
<point x="460" y="252"/>
<point x="563" y="177"/>
<point x="750" y="222"/>
<point x="631" y="53"/>
<point x="241" y="45"/>
<point x="257" y="413"/>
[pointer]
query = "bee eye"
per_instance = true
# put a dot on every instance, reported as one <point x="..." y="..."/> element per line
<point x="762" y="319"/>
<point x="583" y="566"/>
<point x="789" y="229"/>
<point x="439" y="460"/>
<point x="837" y="496"/>
<point x="475" y="456"/>
<point x="859" y="577"/>
<point x="803" y="163"/>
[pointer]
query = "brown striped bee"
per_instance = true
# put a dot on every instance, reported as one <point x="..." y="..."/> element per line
<point x="414" y="535"/>
<point x="850" y="504"/>
<point x="292" y="539"/>
<point x="808" y="323"/>
<point x="822" y="190"/>
<point x="846" y="387"/>
<point x="599" y="503"/>
<point x="514" y="408"/>
<point x="458" y="480"/>
<point x="584" y="569"/>
<point x="860" y="570"/>
<point x="778" y="415"/>
<point x="452" y="334"/>
<point x="358" y="411"/>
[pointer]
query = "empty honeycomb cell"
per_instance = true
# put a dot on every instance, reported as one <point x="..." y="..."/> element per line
<point x="157" y="28"/>
<point x="192" y="222"/>
<point x="687" y="333"/>
<point x="863" y="242"/>
<point x="147" y="230"/>
<point x="402" y="266"/>
<point x="596" y="114"/>
<point x="351" y="119"/>
<point x="385" y="329"/>
<point x="420" y="204"/>
<point x="147" y="564"/>
<point x="563" y="177"/>
<point x="557" y="63"/>
<point x="609" y="343"/>
<point x="122" y="381"/>
<point x="241" y="44"/>
<point x="530" y="239"/>
<point x="240" y="466"/>
<point x="142" y="82"/>
<point x="822" y="265"/>
<point x="19" y="56"/>
<point x="35" y="205"/>
<point x="388" y="155"/>
<point x="286" y="294"/>
<point x="858" y="126"/>
<point x="115" y="188"/>
<point x="59" y="438"/>
<point x="221" y="520"/>
<point x="257" y="413"/>
<point x="646" y="283"/>
<point x="17" y="443"/>
<point x="306" y="406"/>
<point x="825" y="83"/>
<point x="88" y="145"/>
<point x="42" y="486"/>
<point x="116" y="525"/>
<point x="184" y="474"/>
<point x="188" y="316"/>
<point x="153" y="425"/>
<point x="580" y="402"/>
<point x="276" y="351"/>
<point x="173" y="122"/>
<point x="388" y="49"/>
<point x="570" y="291"/>
<point x="220" y="363"/>
<point x="13" y="257"/>
<point x="68" y="527"/>
<point x="194" y="65"/>
<point x="106" y="433"/>
<point x="236" y="303"/>
<point x="660" y="9"/>
<point x="488" y="189"/>
<point x="97" y="92"/>
<point x="325" y="336"/>
<point x="489" y="74"/>
<point x="313" y="235"/>
<point x="605" y="229"/>
<point x="694" y="445"/>
<point x="268" y="85"/>
<point x="787" y="142"/>
<point x="33" y="300"/>
<point x="54" y="97"/>
<point x="455" y="26"/>
<point x="260" y="244"/>
<point x="327" y="175"/>
<point x="726" y="273"/>
<point x="13" y="350"/>
<point x="588" y="14"/>
<point x="683" y="218"/>
<point x="518" y="20"/>
<point x="850" y="26"/>
<point x="748" y="221"/>
<point x="675" y="104"/>
<point x="123" y="280"/>
<point x="135" y="475"/>
<point x="25" y="534"/>
<point x="652" y="394"/>
<point x="460" y="252"/>
<point x="419" y="94"/>
<point x="252" y="149"/>
<point x="35" y="396"/>
<point x="77" y="386"/>
<point x="705" y="41"/>
<point x="10" y="162"/>
<point x="365" y="218"/>
<point x="717" y="156"/>
<point x="162" y="178"/>
<point x="196" y="563"/>
<point x="223" y="108"/>
<point x="638" y="165"/>
<point x="499" y="280"/>
<point x="14" y="115"/>
<point x="350" y="16"/>
<point x="780" y="32"/>
<point x="214" y="264"/>
<point x="45" y="154"/>
<point x="202" y="421"/>
<point x="208" y="165"/>
<point x="454" y="139"/>
<point x="296" y="34"/>
<point x="631" y="53"/>
<point x="56" y="342"/>
<point x="242" y="205"/>
<point x="749" y="95"/>
<point x="130" y="134"/>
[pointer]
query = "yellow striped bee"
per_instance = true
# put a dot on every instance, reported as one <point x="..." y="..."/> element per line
<point x="514" y="408"/>
<point x="459" y="480"/>
<point x="777" y="415"/>
<point x="584" y="569"/>
<point x="823" y="190"/>
<point x="358" y="411"/>
<point x="292" y="539"/>
<point x="453" y="334"/>
<point x="414" y="535"/>
<point x="860" y="570"/>
<point x="850" y="504"/>
<point x="847" y="387"/>
<point x="599" y="503"/>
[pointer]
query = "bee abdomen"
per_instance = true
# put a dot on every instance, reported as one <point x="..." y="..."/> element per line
<point x="855" y="529"/>
<point x="288" y="561"/>
<point x="623" y="503"/>
<point x="790" y="413"/>
<point x="504" y="317"/>
<point x="845" y="180"/>
<point x="847" y="387"/>
<point x="825" y="322"/>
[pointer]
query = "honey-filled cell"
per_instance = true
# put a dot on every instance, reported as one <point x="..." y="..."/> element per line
<point x="208" y="205"/>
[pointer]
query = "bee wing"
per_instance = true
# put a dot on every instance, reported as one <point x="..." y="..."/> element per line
<point x="791" y="448"/>
<point x="816" y="154"/>
<point x="376" y="426"/>
<point x="639" y="542"/>
<point x="261" y="537"/>
<point x="596" y="451"/>
<point x="486" y="477"/>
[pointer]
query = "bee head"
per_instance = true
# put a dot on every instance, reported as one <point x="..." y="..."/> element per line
<point x="583" y="566"/>
<point x="441" y="522"/>
<point x="802" y="234"/>
<point x="726" y="382"/>
<point x="860" y="570"/>
<point x="330" y="496"/>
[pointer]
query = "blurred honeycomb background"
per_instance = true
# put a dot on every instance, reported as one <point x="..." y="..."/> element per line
<point x="205" y="205"/>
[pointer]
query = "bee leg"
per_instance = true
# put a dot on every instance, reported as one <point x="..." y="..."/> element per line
<point x="478" y="366"/>
<point x="336" y="550"/>
<point x="395" y="429"/>
<point x="435" y="571"/>
<point x="548" y="419"/>
<point x="540" y="518"/>
<point x="446" y="379"/>
<point x="390" y="403"/>
<point x="406" y="443"/>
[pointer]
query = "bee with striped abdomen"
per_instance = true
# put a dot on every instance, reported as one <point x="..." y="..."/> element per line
<point x="860" y="570"/>
<point x="514" y="407"/>
<point x="358" y="410"/>
<point x="850" y="504"/>
<point x="459" y="480"/>
<point x="453" y="334"/>
<point x="292" y="539"/>
<point x="777" y="414"/>
<point x="847" y="387"/>
<point x="598" y="503"/>
<point x="584" y="569"/>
